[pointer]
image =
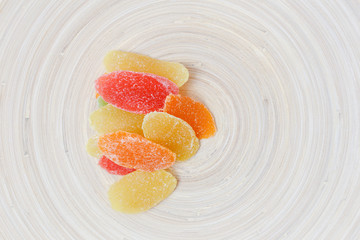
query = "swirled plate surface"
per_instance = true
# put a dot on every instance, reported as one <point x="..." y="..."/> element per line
<point x="282" y="79"/>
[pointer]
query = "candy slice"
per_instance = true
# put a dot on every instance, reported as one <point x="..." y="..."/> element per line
<point x="101" y="102"/>
<point x="92" y="147"/>
<point x="140" y="191"/>
<point x="131" y="150"/>
<point x="194" y="113"/>
<point x="113" y="168"/>
<point x="110" y="119"/>
<point x="135" y="92"/>
<point x="171" y="132"/>
<point x="118" y="60"/>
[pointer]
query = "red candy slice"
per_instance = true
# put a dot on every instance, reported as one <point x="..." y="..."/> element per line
<point x="113" y="168"/>
<point x="135" y="92"/>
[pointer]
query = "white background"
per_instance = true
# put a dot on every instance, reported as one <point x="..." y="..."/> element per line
<point x="282" y="79"/>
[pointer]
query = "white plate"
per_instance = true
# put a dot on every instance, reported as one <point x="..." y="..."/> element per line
<point x="280" y="77"/>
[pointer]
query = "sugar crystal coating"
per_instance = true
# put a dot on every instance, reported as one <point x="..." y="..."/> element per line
<point x="139" y="191"/>
<point x="138" y="146"/>
<point x="114" y="168"/>
<point x="193" y="112"/>
<point x="119" y="60"/>
<point x="135" y="92"/>
<point x="92" y="147"/>
<point x="110" y="119"/>
<point x="131" y="150"/>
<point x="171" y="132"/>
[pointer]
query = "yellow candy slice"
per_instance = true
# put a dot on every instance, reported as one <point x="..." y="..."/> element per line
<point x="110" y="119"/>
<point x="92" y="147"/>
<point x="140" y="191"/>
<point x="171" y="132"/>
<point x="119" y="60"/>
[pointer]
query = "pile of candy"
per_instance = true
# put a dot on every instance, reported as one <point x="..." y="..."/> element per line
<point x="144" y="126"/>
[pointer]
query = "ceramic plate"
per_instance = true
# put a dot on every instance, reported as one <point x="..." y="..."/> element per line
<point x="280" y="77"/>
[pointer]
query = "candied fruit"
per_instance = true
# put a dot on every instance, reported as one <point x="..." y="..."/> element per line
<point x="101" y="102"/>
<point x="192" y="112"/>
<point x="110" y="119"/>
<point x="92" y="147"/>
<point x="135" y="92"/>
<point x="119" y="60"/>
<point x="171" y="132"/>
<point x="139" y="191"/>
<point x="131" y="150"/>
<point x="113" y="168"/>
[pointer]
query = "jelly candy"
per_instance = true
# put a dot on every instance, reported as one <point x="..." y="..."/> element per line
<point x="131" y="150"/>
<point x="139" y="191"/>
<point x="118" y="60"/>
<point x="101" y="102"/>
<point x="192" y="112"/>
<point x="171" y="132"/>
<point x="135" y="92"/>
<point x="110" y="119"/>
<point x="92" y="147"/>
<point x="113" y="168"/>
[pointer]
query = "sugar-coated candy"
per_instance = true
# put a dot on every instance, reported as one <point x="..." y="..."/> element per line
<point x="101" y="102"/>
<point x="92" y="147"/>
<point x="171" y="132"/>
<point x="110" y="119"/>
<point x="113" y="168"/>
<point x="131" y="150"/>
<point x="118" y="60"/>
<point x="193" y="112"/>
<point x="135" y="92"/>
<point x="139" y="191"/>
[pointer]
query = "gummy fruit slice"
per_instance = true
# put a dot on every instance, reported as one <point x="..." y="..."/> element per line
<point x="131" y="150"/>
<point x="92" y="147"/>
<point x="110" y="119"/>
<point x="101" y="102"/>
<point x="171" y="132"/>
<point x="118" y="60"/>
<point x="193" y="112"/>
<point x="113" y="168"/>
<point x="140" y="191"/>
<point x="135" y="92"/>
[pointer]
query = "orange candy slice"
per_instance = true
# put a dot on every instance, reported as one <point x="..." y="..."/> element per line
<point x="131" y="150"/>
<point x="192" y="112"/>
